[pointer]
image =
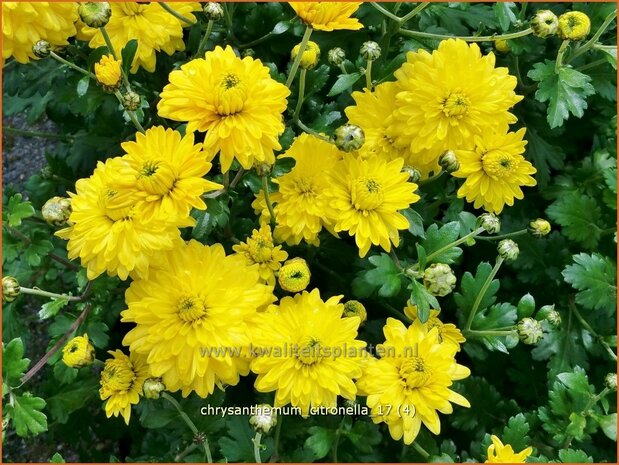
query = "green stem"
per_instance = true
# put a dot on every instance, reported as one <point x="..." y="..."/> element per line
<point x="368" y="75"/>
<point x="297" y="110"/>
<point x="455" y="243"/>
<point x="562" y="50"/>
<point x="278" y="430"/>
<point x="384" y="11"/>
<point x="336" y="443"/>
<point x="177" y="15"/>
<point x="44" y="135"/>
<point x="413" y="13"/>
<point x="297" y="60"/>
<point x="431" y="178"/>
<point x="504" y="236"/>
<point x="258" y="41"/>
<point x="267" y="199"/>
<point x="312" y="132"/>
<point x="482" y="293"/>
<point x="591" y="42"/>
<point x="588" y="327"/>
<point x="71" y="65"/>
<point x="593" y="64"/>
<point x="343" y="68"/>
<point x="132" y="115"/>
<point x="396" y="313"/>
<point x="421" y="450"/>
<point x="592" y="401"/>
<point x="189" y="423"/>
<point x="204" y="41"/>
<point x="490" y="332"/>
<point x="428" y="35"/>
<point x="70" y="298"/>
<point x="256" y="442"/>
<point x="108" y="42"/>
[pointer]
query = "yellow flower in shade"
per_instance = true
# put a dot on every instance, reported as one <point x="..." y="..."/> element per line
<point x="366" y="196"/>
<point x="154" y="28"/>
<point x="310" y="56"/>
<point x="500" y="453"/>
<point x="355" y="308"/>
<point x="447" y="332"/>
<point x="307" y="352"/>
<point x="495" y="170"/>
<point x="301" y="204"/>
<point x="78" y="352"/>
<point x="372" y="113"/>
<point x="294" y="276"/>
<point x="25" y="23"/>
<point x="108" y="72"/>
<point x="328" y="16"/>
<point x="187" y="313"/>
<point x="410" y="383"/>
<point x="108" y="232"/>
<point x="259" y="249"/>
<point x="166" y="172"/>
<point x="122" y="379"/>
<point x="235" y="100"/>
<point x="451" y="95"/>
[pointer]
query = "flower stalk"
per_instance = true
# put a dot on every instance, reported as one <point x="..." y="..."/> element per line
<point x="297" y="60"/>
<point x="177" y="15"/>
<point x="297" y="110"/>
<point x="429" y="35"/>
<point x="482" y="293"/>
<point x="267" y="199"/>
<point x="204" y="41"/>
<point x="257" y="446"/>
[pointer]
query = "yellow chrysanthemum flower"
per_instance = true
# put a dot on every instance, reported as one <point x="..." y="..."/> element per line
<point x="410" y="383"/>
<point x="108" y="231"/>
<point x="122" y="379"/>
<point x="235" y="100"/>
<point x="307" y="352"/>
<point x="192" y="314"/>
<point x="451" y="95"/>
<point x="259" y="249"/>
<point x="500" y="453"/>
<point x="310" y="56"/>
<point x="154" y="28"/>
<point x="373" y="113"/>
<point x="447" y="332"/>
<point x="366" y="196"/>
<point x="495" y="170"/>
<point x="301" y="204"/>
<point x="108" y="72"/>
<point x="78" y="352"/>
<point x="328" y="16"/>
<point x="295" y="275"/>
<point x="25" y="23"/>
<point x="166" y="173"/>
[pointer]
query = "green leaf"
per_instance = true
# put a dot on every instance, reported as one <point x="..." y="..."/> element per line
<point x="17" y="210"/>
<point x="316" y="80"/>
<point x="37" y="249"/>
<point x="415" y="223"/>
<point x="344" y="82"/>
<point x="57" y="458"/>
<point x="128" y="54"/>
<point x="505" y="15"/>
<point x="578" y="214"/>
<point x="565" y="91"/>
<point x="497" y="316"/>
<point x="238" y="446"/>
<point x="516" y="433"/>
<point x="27" y="416"/>
<point x="320" y="441"/>
<point x="215" y="216"/>
<point x="51" y="308"/>
<point x="437" y="238"/>
<point x="576" y="427"/>
<point x="610" y="52"/>
<point x="13" y="362"/>
<point x="82" y="86"/>
<point x="385" y="275"/>
<point x="574" y="456"/>
<point x="281" y="27"/>
<point x="544" y="155"/>
<point x="423" y="300"/>
<point x="71" y="398"/>
<point x="595" y="277"/>
<point x="608" y="423"/>
<point x="471" y="286"/>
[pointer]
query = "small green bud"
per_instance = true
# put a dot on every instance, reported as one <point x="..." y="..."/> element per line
<point x="94" y="14"/>
<point x="508" y="250"/>
<point x="539" y="228"/>
<point x="263" y="169"/>
<point x="349" y="138"/>
<point x="153" y="387"/>
<point x="264" y="419"/>
<point x="336" y="56"/>
<point x="448" y="161"/>
<point x="131" y="101"/>
<point x="414" y="175"/>
<point x="370" y="50"/>
<point x="248" y="52"/>
<point x="548" y="313"/>
<point x="502" y="46"/>
<point x="355" y="308"/>
<point x="46" y="172"/>
<point x="610" y="381"/>
<point x="10" y="289"/>
<point x="213" y="11"/>
<point x="526" y="306"/>
<point x="544" y="24"/>
<point x="439" y="279"/>
<point x="530" y="331"/>
<point x="57" y="211"/>
<point x="490" y="222"/>
<point x="42" y="49"/>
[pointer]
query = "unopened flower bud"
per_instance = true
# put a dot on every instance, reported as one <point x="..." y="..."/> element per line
<point x="294" y="275"/>
<point x="153" y="387"/>
<point x="414" y="175"/>
<point x="263" y="169"/>
<point x="548" y="313"/>
<point x="264" y="419"/>
<point x="502" y="46"/>
<point x="248" y="52"/>
<point x="574" y="25"/>
<point x="610" y="381"/>
<point x="526" y="306"/>
<point x="349" y="138"/>
<point x="94" y="14"/>
<point x="78" y="352"/>
<point x="57" y="211"/>
<point x="530" y="331"/>
<point x="213" y="11"/>
<point x="108" y="73"/>
<point x="490" y="222"/>
<point x="508" y="250"/>
<point x="46" y="172"/>
<point x="10" y="289"/>
<point x="539" y="227"/>
<point x="448" y="161"/>
<point x="439" y="279"/>
<point x="336" y="56"/>
<point x="544" y="24"/>
<point x="310" y="56"/>
<point x="370" y="50"/>
<point x="131" y="101"/>
<point x="355" y="308"/>
<point x="199" y="438"/>
<point x="41" y="49"/>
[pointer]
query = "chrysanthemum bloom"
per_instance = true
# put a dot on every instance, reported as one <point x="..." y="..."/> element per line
<point x="235" y="100"/>
<point x="366" y="196"/>
<point x="154" y="28"/>
<point x="166" y="172"/>
<point x="447" y="332"/>
<point x="259" y="249"/>
<point x="192" y="314"/>
<point x="108" y="73"/>
<point x="451" y="95"/>
<point x="25" y="23"/>
<point x="301" y="204"/>
<point x="328" y="16"/>
<point x="108" y="231"/>
<point x="122" y="379"/>
<point x="307" y="352"/>
<point x="410" y="383"/>
<point x="494" y="170"/>
<point x="500" y="453"/>
<point x="78" y="352"/>
<point x="372" y="113"/>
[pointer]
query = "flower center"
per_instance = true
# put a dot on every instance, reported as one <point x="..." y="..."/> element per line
<point x="260" y="250"/>
<point x="414" y="372"/>
<point x="117" y="375"/>
<point x="191" y="309"/>
<point x="115" y="209"/>
<point x="456" y="105"/>
<point x="498" y="164"/>
<point x="304" y="187"/>
<point x="310" y="351"/>
<point x="156" y="177"/>
<point x="230" y="95"/>
<point x="367" y="194"/>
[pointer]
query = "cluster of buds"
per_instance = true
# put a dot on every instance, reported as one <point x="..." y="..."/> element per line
<point x="57" y="211"/>
<point x="10" y="289"/>
<point x="355" y="308"/>
<point x="94" y="14"/>
<point x="349" y="138"/>
<point x="439" y="279"/>
<point x="294" y="275"/>
<point x="213" y="11"/>
<point x="310" y="56"/>
<point x="264" y="419"/>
